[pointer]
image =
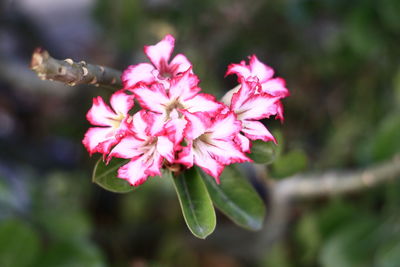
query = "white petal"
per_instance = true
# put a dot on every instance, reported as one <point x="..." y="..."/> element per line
<point x="121" y="102"/>
<point x="153" y="164"/>
<point x="180" y="64"/>
<point x="275" y="87"/>
<point x="127" y="148"/>
<point x="160" y="53"/>
<point x="260" y="70"/>
<point x="139" y="124"/>
<point x="156" y="123"/>
<point x="279" y="113"/>
<point x="202" y="103"/>
<point x="153" y="98"/>
<point x="226" y="152"/>
<point x="243" y="142"/>
<point x="246" y="91"/>
<point x="241" y="70"/>
<point x="133" y="172"/>
<point x="186" y="156"/>
<point x="175" y="128"/>
<point x="166" y="148"/>
<point x="227" y="98"/>
<point x="99" y="139"/>
<point x="100" y="114"/>
<point x="197" y="124"/>
<point x="225" y="126"/>
<point x="135" y="74"/>
<point x="203" y="159"/>
<point x="184" y="87"/>
<point x="257" y="107"/>
<point x="256" y="130"/>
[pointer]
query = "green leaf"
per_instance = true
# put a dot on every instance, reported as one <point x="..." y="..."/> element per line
<point x="195" y="202"/>
<point x="106" y="176"/>
<point x="236" y="198"/>
<point x="19" y="244"/>
<point x="263" y="152"/>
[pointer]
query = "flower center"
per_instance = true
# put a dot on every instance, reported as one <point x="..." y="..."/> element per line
<point x="166" y="75"/>
<point x="164" y="71"/>
<point x="172" y="109"/>
<point x="116" y="121"/>
<point x="205" y="138"/>
<point x="149" y="149"/>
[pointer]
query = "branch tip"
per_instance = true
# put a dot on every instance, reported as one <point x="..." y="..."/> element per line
<point x="72" y="73"/>
<point x="38" y="56"/>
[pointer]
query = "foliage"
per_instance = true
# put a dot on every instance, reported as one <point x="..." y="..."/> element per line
<point x="55" y="234"/>
<point x="236" y="198"/>
<point x="104" y="175"/>
<point x="195" y="202"/>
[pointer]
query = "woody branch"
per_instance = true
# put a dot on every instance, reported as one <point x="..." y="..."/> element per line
<point x="73" y="73"/>
<point x="308" y="186"/>
<point x="335" y="182"/>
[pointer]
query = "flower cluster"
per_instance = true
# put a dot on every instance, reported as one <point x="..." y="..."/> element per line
<point x="178" y="126"/>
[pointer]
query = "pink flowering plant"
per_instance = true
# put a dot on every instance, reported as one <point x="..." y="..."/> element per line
<point x="180" y="132"/>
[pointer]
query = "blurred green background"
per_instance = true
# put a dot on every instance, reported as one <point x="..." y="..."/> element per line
<point x="341" y="61"/>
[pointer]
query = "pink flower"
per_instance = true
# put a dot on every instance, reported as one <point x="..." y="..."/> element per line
<point x="183" y="95"/>
<point x="249" y="107"/>
<point x="210" y="143"/>
<point x="161" y="70"/>
<point x="147" y="152"/>
<point x="178" y="126"/>
<point x="113" y="122"/>
<point x="264" y="74"/>
<point x="256" y="97"/>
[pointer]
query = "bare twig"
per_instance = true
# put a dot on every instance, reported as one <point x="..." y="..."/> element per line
<point x="73" y="73"/>
<point x="306" y="186"/>
<point x="16" y="73"/>
<point x="333" y="183"/>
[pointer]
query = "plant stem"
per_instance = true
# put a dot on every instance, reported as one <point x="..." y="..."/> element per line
<point x="336" y="182"/>
<point x="284" y="193"/>
<point x="73" y="73"/>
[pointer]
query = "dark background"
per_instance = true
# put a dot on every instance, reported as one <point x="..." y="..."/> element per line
<point x="341" y="61"/>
